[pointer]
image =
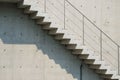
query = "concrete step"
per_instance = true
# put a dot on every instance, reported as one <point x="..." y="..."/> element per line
<point x="21" y="4"/>
<point x="81" y="50"/>
<point x="42" y="18"/>
<point x="57" y="32"/>
<point x="100" y="67"/>
<point x="38" y="15"/>
<point x="96" y="62"/>
<point x="65" y="36"/>
<point x="49" y="27"/>
<point x="74" y="46"/>
<point x="108" y="71"/>
<point x="67" y="41"/>
<point x="110" y="77"/>
<point x="89" y="57"/>
<point x="28" y="10"/>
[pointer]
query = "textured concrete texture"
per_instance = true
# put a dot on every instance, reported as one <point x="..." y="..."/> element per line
<point x="28" y="53"/>
<point x="103" y="13"/>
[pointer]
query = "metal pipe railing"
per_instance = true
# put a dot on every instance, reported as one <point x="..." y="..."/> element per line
<point x="118" y="60"/>
<point x="83" y="31"/>
<point x="101" y="33"/>
<point x="64" y="13"/>
<point x="101" y="45"/>
<point x="45" y="6"/>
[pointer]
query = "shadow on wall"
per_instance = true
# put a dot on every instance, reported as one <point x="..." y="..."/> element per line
<point x="18" y="29"/>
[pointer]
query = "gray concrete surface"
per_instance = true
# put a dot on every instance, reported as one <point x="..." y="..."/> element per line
<point x="28" y="53"/>
<point x="103" y="13"/>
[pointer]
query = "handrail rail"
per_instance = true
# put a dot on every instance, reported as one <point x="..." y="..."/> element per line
<point x="92" y="22"/>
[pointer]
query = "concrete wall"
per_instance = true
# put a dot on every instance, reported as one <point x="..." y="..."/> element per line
<point x="103" y="13"/>
<point x="28" y="53"/>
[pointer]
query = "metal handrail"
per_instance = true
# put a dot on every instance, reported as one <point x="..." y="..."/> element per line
<point x="92" y="22"/>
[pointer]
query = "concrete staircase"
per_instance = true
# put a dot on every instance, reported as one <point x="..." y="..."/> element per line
<point x="71" y="43"/>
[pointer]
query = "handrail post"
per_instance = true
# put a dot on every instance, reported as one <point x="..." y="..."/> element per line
<point x="100" y="45"/>
<point x="44" y="6"/>
<point x="83" y="30"/>
<point x="64" y="13"/>
<point x="118" y="61"/>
